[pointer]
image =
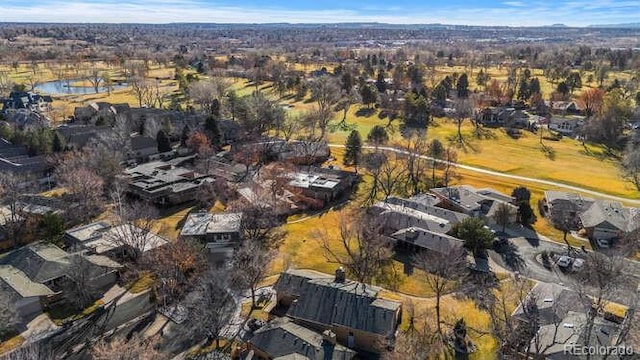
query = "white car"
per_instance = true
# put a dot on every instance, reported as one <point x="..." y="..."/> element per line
<point x="578" y="264"/>
<point x="564" y="261"/>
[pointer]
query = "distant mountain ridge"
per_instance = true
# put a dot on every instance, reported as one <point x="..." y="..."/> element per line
<point x="619" y="26"/>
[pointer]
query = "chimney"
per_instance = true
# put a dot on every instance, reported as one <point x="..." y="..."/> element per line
<point x="329" y="336"/>
<point x="340" y="276"/>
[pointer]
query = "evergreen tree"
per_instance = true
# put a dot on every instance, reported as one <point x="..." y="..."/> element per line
<point x="353" y="149"/>
<point x="534" y="86"/>
<point x="463" y="86"/>
<point x="368" y="95"/>
<point x="186" y="132"/>
<point x="381" y="84"/>
<point x="58" y="142"/>
<point x="213" y="131"/>
<point x="378" y="135"/>
<point x="215" y="108"/>
<point x="523" y="90"/>
<point x="164" y="144"/>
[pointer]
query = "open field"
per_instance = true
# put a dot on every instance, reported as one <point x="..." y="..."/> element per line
<point x="573" y="164"/>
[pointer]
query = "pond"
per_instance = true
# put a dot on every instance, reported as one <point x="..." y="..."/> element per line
<point x="64" y="87"/>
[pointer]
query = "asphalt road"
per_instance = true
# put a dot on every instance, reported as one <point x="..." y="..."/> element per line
<point x="526" y="250"/>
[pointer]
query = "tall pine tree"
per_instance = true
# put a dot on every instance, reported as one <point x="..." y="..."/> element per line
<point x="213" y="131"/>
<point x="164" y="144"/>
<point x="353" y="149"/>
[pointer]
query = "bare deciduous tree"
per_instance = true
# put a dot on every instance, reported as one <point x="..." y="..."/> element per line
<point x="134" y="221"/>
<point x="30" y="351"/>
<point x="84" y="185"/>
<point x="212" y="306"/>
<point x="326" y="93"/>
<point x="504" y="214"/>
<point x="416" y="164"/>
<point x="80" y="289"/>
<point x="135" y="348"/>
<point x="417" y="342"/>
<point x="9" y="317"/>
<point x="443" y="270"/>
<point x="250" y="266"/>
<point x="175" y="268"/>
<point x="11" y="187"/>
<point x="364" y="251"/>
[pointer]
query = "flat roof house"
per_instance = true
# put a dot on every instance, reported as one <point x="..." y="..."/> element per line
<point x="353" y="311"/>
<point x="103" y="239"/>
<point x="165" y="182"/>
<point x="320" y="184"/>
<point x="217" y="231"/>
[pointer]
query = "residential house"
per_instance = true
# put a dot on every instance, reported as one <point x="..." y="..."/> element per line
<point x="606" y="221"/>
<point x="560" y="206"/>
<point x="79" y="136"/>
<point x="220" y="233"/>
<point x="503" y="116"/>
<point x="16" y="159"/>
<point x="566" y="125"/>
<point x="354" y="312"/>
<point x="320" y="185"/>
<point x="282" y="338"/>
<point x="142" y="147"/>
<point x="397" y="214"/>
<point x="102" y="238"/>
<point x="97" y="113"/>
<point x="35" y="275"/>
<point x="305" y="152"/>
<point x="165" y="182"/>
<point x="560" y="315"/>
<point x="24" y="119"/>
<point x="27" y="100"/>
<point x="563" y="107"/>
<point x="295" y="152"/>
<point x="424" y="239"/>
<point x="482" y="203"/>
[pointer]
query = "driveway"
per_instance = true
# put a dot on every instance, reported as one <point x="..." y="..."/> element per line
<point x="527" y="248"/>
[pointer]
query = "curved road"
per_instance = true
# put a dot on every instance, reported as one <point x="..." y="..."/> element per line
<point x="509" y="176"/>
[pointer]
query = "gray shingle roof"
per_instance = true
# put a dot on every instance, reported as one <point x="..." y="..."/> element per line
<point x="611" y="212"/>
<point x="282" y="338"/>
<point x="565" y="201"/>
<point x="40" y="262"/>
<point x="427" y="239"/>
<point x="402" y="213"/>
<point x="349" y="304"/>
<point x="20" y="283"/>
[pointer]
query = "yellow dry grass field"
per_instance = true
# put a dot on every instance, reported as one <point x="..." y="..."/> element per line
<point x="572" y="163"/>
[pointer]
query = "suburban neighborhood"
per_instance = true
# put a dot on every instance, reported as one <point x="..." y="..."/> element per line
<point x="319" y="191"/>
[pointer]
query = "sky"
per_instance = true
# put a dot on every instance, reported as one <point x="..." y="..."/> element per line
<point x="466" y="12"/>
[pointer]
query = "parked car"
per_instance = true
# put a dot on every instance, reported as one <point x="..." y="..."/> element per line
<point x="564" y="261"/>
<point x="578" y="264"/>
<point x="603" y="243"/>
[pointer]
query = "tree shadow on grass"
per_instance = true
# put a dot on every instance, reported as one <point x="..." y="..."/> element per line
<point x="548" y="151"/>
<point x="465" y="144"/>
<point x="365" y="112"/>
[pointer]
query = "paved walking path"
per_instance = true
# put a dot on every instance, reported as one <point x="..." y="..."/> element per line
<point x="509" y="176"/>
